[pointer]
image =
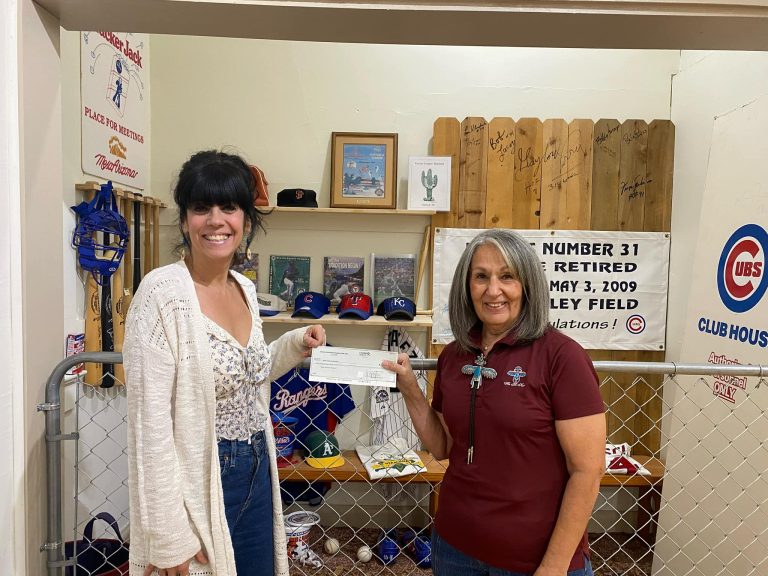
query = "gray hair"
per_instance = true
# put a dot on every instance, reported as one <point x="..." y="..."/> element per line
<point x="525" y="264"/>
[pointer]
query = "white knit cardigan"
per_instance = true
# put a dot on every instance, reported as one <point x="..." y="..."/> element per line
<point x="176" y="502"/>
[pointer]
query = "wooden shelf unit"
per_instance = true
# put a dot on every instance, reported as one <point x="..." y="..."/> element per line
<point x="367" y="211"/>
<point x="330" y="319"/>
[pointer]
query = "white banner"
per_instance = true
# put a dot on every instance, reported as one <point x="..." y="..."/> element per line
<point x="115" y="106"/>
<point x="608" y="290"/>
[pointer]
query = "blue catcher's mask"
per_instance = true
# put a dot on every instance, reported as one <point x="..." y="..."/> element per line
<point x="100" y="219"/>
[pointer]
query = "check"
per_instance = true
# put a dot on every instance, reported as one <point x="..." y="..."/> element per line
<point x="351" y="366"/>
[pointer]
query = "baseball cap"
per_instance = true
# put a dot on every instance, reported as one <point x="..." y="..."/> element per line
<point x="355" y="304"/>
<point x="397" y="308"/>
<point x="323" y="450"/>
<point x="297" y="197"/>
<point x="312" y="304"/>
<point x="269" y="304"/>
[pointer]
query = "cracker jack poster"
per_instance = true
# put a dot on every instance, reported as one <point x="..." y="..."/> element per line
<point x="607" y="290"/>
<point x="114" y="70"/>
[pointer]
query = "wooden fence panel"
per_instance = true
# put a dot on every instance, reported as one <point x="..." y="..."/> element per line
<point x="606" y="149"/>
<point x="554" y="167"/>
<point x="528" y="150"/>
<point x="501" y="173"/>
<point x="473" y="167"/>
<point x="578" y="185"/>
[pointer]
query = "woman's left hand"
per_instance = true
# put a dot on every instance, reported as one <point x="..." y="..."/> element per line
<point x="313" y="337"/>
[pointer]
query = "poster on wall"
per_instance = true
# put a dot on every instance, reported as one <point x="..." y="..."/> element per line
<point x="608" y="290"/>
<point x="115" y="106"/>
<point x="717" y="428"/>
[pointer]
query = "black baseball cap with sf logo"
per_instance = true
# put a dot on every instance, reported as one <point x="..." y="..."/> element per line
<point x="297" y="197"/>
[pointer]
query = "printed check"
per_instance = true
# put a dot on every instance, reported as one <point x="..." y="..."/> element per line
<point x="351" y="366"/>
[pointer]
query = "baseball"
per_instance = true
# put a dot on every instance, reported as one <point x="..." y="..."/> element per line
<point x="364" y="554"/>
<point x="331" y="546"/>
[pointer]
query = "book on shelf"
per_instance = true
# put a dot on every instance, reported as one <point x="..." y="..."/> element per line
<point x="288" y="277"/>
<point x="393" y="275"/>
<point x="342" y="275"/>
<point x="248" y="267"/>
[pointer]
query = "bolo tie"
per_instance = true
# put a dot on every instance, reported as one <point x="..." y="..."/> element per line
<point x="478" y="371"/>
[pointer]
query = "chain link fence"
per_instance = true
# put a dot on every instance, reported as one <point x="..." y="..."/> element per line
<point x="697" y="430"/>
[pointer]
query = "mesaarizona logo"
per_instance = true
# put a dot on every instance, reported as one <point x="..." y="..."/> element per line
<point x="741" y="277"/>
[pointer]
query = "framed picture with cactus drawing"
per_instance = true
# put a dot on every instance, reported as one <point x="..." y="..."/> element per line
<point x="363" y="170"/>
<point x="429" y="183"/>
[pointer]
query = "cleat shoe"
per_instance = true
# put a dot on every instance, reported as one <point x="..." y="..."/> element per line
<point x="418" y="547"/>
<point x="387" y="549"/>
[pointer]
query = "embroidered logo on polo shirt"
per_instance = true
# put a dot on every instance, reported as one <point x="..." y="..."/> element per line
<point x="517" y="375"/>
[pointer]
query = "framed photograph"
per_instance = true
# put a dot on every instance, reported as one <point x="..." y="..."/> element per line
<point x="288" y="277"/>
<point x="363" y="170"/>
<point x="393" y="276"/>
<point x="342" y="275"/>
<point x="429" y="183"/>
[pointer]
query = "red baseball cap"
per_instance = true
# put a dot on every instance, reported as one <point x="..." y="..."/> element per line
<point x="355" y="304"/>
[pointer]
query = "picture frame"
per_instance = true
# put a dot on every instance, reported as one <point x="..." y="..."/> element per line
<point x="429" y="183"/>
<point x="363" y="170"/>
<point x="392" y="275"/>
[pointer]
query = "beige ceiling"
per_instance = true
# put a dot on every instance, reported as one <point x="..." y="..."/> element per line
<point x="590" y="24"/>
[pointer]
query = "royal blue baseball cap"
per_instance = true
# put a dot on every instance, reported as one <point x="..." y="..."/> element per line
<point x="397" y="308"/>
<point x="355" y="304"/>
<point x="312" y="304"/>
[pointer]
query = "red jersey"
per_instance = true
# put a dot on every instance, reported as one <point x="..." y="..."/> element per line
<point x="502" y="508"/>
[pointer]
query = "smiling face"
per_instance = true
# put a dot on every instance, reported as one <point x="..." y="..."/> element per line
<point x="496" y="293"/>
<point x="214" y="232"/>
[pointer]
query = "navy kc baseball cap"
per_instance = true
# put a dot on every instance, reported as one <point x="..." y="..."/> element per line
<point x="355" y="304"/>
<point x="312" y="304"/>
<point x="397" y="308"/>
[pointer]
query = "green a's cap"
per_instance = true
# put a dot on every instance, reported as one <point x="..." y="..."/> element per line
<point x="323" y="450"/>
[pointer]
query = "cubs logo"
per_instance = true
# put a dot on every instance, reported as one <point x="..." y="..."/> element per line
<point x="741" y="278"/>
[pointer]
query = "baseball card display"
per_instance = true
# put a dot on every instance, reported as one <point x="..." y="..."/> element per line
<point x="342" y="275"/>
<point x="393" y="276"/>
<point x="288" y="277"/>
<point x="248" y="265"/>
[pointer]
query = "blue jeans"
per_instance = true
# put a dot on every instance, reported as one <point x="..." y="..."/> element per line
<point x="447" y="561"/>
<point x="247" y="487"/>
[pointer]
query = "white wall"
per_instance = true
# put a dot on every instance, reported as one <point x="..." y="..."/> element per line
<point x="12" y="494"/>
<point x="41" y="180"/>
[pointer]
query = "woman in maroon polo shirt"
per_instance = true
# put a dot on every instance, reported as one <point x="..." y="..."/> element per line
<point x="517" y="411"/>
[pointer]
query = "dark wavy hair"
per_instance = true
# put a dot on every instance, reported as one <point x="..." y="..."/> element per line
<point x="215" y="178"/>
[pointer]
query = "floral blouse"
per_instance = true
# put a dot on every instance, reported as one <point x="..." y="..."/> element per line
<point x="238" y="373"/>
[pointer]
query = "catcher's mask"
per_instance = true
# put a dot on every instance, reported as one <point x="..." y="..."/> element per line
<point x="100" y="219"/>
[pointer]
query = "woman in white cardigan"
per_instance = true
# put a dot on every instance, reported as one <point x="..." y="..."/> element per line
<point x="204" y="492"/>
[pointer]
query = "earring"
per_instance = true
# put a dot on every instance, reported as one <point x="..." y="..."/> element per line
<point x="183" y="253"/>
<point x="248" y="253"/>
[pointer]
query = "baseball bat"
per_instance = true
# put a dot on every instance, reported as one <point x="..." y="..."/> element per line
<point x="128" y="256"/>
<point x="107" y="326"/>
<point x="155" y="233"/>
<point x="120" y="300"/>
<point x="92" y="327"/>
<point x="136" y="241"/>
<point x="147" y="233"/>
